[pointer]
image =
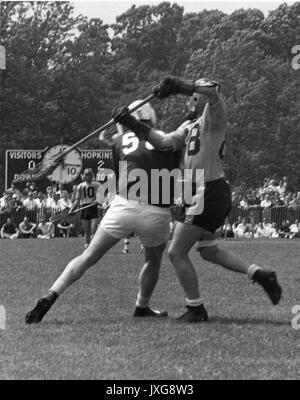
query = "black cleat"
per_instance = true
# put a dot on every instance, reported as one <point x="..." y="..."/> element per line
<point x="194" y="314"/>
<point x="40" y="310"/>
<point x="268" y="280"/>
<point x="148" y="312"/>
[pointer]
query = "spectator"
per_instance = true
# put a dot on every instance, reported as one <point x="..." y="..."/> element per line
<point x="284" y="230"/>
<point x="37" y="199"/>
<point x="259" y="231"/>
<point x="277" y="201"/>
<point x="27" y="229"/>
<point x="272" y="186"/>
<point x="9" y="230"/>
<point x="65" y="227"/>
<point x="227" y="231"/>
<point x="30" y="203"/>
<point x="244" y="203"/>
<point x="280" y="188"/>
<point x="49" y="201"/>
<point x="45" y="229"/>
<point x="60" y="189"/>
<point x="272" y="231"/>
<point x="6" y="202"/>
<point x="266" y="202"/>
<point x="287" y="185"/>
<point x="55" y="205"/>
<point x="243" y="229"/>
<point x="295" y="229"/>
<point x="64" y="202"/>
<point x="73" y="193"/>
<point x="293" y="201"/>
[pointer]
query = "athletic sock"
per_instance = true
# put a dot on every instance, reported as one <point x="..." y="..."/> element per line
<point x="141" y="301"/>
<point x="126" y="244"/>
<point x="194" y="302"/>
<point x="51" y="296"/>
<point x="251" y="271"/>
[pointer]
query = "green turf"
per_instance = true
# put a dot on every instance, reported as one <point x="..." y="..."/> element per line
<point x="90" y="332"/>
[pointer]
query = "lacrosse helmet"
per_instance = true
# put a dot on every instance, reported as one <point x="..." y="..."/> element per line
<point x="144" y="113"/>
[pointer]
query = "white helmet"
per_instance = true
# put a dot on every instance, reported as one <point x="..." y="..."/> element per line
<point x="145" y="113"/>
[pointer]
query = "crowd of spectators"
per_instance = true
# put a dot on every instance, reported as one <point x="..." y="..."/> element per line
<point x="36" y="210"/>
<point x="272" y="193"/>
<point x="29" y="213"/>
<point x="265" y="229"/>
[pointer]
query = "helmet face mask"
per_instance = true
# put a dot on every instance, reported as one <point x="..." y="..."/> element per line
<point x="195" y="106"/>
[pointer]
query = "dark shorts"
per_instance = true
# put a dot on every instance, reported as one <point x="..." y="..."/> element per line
<point x="90" y="212"/>
<point x="217" y="205"/>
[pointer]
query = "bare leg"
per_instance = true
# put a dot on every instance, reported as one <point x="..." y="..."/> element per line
<point x="150" y="272"/>
<point x="184" y="237"/>
<point x="148" y="278"/>
<point x="94" y="226"/>
<point x="87" y="230"/>
<point x="99" y="245"/>
<point x="225" y="258"/>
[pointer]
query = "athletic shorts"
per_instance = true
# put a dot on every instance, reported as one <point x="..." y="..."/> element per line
<point x="90" y="212"/>
<point x="217" y="205"/>
<point x="150" y="223"/>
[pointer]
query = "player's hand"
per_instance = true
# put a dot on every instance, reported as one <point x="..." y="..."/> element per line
<point x="121" y="115"/>
<point x="166" y="87"/>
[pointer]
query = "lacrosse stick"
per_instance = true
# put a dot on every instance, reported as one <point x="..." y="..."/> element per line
<point x="83" y="208"/>
<point x="46" y="167"/>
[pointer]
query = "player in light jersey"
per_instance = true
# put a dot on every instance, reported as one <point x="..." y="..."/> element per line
<point x="203" y="137"/>
<point x="125" y="215"/>
<point x="86" y="197"/>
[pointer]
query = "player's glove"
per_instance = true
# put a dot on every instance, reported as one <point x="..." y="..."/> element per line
<point x="122" y="116"/>
<point x="172" y="85"/>
<point x="166" y="87"/>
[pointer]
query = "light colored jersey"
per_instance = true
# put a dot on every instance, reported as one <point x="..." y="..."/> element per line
<point x="205" y="141"/>
<point x="87" y="192"/>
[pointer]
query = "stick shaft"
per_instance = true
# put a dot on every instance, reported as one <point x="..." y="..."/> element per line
<point x="102" y="128"/>
<point x="84" y="207"/>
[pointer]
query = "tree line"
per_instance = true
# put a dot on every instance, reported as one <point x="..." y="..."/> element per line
<point x="65" y="73"/>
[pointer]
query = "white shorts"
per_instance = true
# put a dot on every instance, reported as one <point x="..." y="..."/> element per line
<point x="150" y="223"/>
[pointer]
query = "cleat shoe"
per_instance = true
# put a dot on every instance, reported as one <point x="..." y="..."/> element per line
<point x="43" y="306"/>
<point x="148" y="312"/>
<point x="194" y="314"/>
<point x="268" y="280"/>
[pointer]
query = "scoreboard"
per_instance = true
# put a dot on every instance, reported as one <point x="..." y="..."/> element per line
<point x="17" y="161"/>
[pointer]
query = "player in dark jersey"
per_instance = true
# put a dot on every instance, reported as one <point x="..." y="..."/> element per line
<point x="203" y="137"/>
<point x="128" y="212"/>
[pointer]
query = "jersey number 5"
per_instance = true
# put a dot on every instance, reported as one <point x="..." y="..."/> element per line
<point x="194" y="141"/>
<point x="130" y="143"/>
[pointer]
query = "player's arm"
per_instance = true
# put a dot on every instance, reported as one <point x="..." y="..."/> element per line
<point x="215" y="112"/>
<point x="166" y="142"/>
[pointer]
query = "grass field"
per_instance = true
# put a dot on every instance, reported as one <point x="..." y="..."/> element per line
<point x="90" y="332"/>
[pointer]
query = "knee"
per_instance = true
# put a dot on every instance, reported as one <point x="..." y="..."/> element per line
<point x="209" y="253"/>
<point x="174" y="254"/>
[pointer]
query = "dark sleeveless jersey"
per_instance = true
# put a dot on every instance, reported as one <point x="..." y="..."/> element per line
<point x="143" y="173"/>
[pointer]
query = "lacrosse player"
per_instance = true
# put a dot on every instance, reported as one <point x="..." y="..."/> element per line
<point x="203" y="137"/>
<point x="124" y="216"/>
<point x="86" y="197"/>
